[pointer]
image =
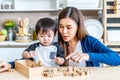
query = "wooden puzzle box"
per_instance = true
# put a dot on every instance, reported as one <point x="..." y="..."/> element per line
<point x="32" y="69"/>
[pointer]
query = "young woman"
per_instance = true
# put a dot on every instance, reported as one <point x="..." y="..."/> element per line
<point x="80" y="48"/>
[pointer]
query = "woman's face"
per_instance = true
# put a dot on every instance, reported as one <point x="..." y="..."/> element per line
<point x="68" y="29"/>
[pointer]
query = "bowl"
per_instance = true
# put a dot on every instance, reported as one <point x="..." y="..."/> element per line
<point x="3" y="37"/>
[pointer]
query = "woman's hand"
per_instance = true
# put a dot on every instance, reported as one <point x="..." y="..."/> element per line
<point x="4" y="66"/>
<point x="30" y="54"/>
<point x="59" y="60"/>
<point x="78" y="57"/>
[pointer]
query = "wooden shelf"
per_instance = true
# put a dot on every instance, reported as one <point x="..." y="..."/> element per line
<point x="18" y="44"/>
<point x="112" y="43"/>
<point x="116" y="49"/>
<point x="109" y="0"/>
<point x="109" y="20"/>
<point x="113" y="15"/>
<point x="109" y="7"/>
<point x="113" y="24"/>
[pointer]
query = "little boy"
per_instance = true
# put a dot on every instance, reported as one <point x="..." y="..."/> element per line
<point x="48" y="52"/>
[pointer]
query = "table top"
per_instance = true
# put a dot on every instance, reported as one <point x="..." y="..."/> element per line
<point x="106" y="73"/>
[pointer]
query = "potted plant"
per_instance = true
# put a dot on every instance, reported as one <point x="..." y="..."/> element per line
<point x="9" y="25"/>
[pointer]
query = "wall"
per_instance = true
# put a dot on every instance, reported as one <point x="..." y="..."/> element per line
<point x="34" y="16"/>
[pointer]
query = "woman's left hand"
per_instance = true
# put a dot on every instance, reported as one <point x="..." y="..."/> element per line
<point x="4" y="66"/>
<point x="78" y="57"/>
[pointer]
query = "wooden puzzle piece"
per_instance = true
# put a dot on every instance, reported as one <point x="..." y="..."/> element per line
<point x="66" y="71"/>
<point x="11" y="70"/>
<point x="32" y="64"/>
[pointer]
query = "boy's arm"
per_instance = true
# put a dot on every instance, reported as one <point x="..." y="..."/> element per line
<point x="32" y="47"/>
<point x="29" y="52"/>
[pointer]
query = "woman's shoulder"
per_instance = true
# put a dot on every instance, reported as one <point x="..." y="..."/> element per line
<point x="89" y="38"/>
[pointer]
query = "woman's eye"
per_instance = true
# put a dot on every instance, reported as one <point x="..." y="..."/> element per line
<point x="61" y="27"/>
<point x="68" y="27"/>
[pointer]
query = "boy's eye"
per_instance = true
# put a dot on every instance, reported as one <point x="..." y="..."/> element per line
<point x="41" y="35"/>
<point x="49" y="35"/>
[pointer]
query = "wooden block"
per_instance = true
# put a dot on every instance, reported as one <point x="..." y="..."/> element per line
<point x="11" y="70"/>
<point x="22" y="67"/>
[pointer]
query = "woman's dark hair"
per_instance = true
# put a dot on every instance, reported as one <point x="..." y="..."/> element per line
<point x="74" y="14"/>
<point x="45" y="24"/>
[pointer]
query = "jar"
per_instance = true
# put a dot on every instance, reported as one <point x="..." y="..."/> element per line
<point x="5" y="4"/>
<point x="11" y="35"/>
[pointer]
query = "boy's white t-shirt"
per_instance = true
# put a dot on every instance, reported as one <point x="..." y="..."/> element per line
<point x="78" y="50"/>
<point x="44" y="53"/>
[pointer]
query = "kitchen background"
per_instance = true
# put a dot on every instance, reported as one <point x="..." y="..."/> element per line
<point x="36" y="9"/>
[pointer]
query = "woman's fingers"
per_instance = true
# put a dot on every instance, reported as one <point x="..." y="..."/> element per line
<point x="78" y="57"/>
<point x="70" y="56"/>
<point x="4" y="66"/>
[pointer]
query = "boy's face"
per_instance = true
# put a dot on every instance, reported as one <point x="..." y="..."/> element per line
<point x="46" y="38"/>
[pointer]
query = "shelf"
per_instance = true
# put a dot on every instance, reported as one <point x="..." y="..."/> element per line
<point x="112" y="43"/>
<point x="29" y="5"/>
<point x="13" y="43"/>
<point x="47" y="10"/>
<point x="13" y="10"/>
<point x="95" y="9"/>
<point x="113" y="15"/>
<point x="113" y="25"/>
<point x="109" y="7"/>
<point x="116" y="49"/>
<point x="109" y="0"/>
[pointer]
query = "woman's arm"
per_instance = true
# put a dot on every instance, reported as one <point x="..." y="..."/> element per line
<point x="4" y="66"/>
<point x="101" y="53"/>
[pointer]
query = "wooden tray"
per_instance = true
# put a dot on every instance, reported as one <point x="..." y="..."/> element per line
<point x="28" y="68"/>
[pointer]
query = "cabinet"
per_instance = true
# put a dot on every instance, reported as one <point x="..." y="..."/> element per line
<point x="29" y="5"/>
<point x="47" y="5"/>
<point x="10" y="50"/>
<point x="111" y="21"/>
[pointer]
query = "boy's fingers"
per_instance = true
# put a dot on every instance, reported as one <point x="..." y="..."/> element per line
<point x="56" y="58"/>
<point x="31" y="54"/>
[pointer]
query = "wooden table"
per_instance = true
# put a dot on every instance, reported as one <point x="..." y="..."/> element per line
<point x="108" y="73"/>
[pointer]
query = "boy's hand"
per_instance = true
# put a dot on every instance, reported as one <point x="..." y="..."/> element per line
<point x="59" y="60"/>
<point x="4" y="66"/>
<point x="30" y="54"/>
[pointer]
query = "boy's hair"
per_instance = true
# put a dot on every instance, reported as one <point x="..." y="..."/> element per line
<point x="45" y="24"/>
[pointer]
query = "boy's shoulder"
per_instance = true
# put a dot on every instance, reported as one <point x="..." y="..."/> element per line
<point x="35" y="44"/>
<point x="55" y="43"/>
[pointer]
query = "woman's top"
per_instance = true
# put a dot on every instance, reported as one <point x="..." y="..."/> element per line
<point x="98" y="52"/>
<point x="78" y="50"/>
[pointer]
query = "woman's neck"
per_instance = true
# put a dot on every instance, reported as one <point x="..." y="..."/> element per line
<point x="72" y="45"/>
